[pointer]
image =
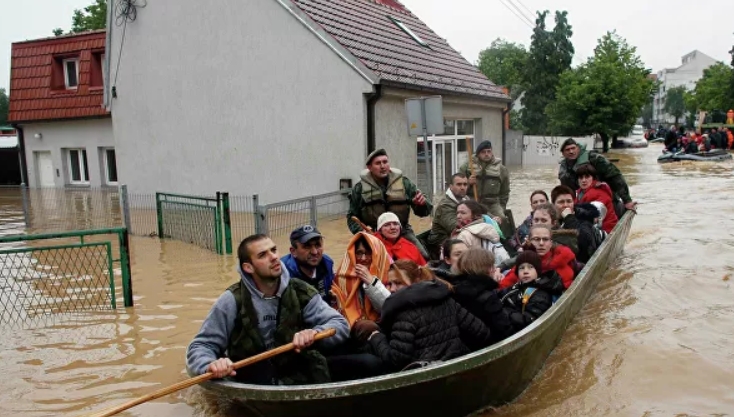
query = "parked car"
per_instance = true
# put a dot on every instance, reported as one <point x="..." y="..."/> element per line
<point x="636" y="138"/>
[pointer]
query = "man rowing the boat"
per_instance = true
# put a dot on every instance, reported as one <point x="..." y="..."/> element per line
<point x="265" y="309"/>
<point x="576" y="156"/>
<point x="382" y="189"/>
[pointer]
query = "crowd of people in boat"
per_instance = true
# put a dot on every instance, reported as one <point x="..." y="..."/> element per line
<point x="680" y="140"/>
<point x="398" y="301"/>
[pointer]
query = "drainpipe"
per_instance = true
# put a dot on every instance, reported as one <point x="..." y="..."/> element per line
<point x="21" y="154"/>
<point x="505" y="111"/>
<point x="372" y="99"/>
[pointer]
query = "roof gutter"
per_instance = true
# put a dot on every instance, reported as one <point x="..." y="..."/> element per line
<point x="372" y="99"/>
<point x="21" y="154"/>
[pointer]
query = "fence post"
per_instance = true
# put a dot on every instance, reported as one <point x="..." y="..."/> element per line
<point x="125" y="205"/>
<point x="127" y="280"/>
<point x="159" y="214"/>
<point x="218" y="225"/>
<point x="255" y="214"/>
<point x="26" y="205"/>
<point x="262" y="213"/>
<point x="314" y="211"/>
<point x="227" y="223"/>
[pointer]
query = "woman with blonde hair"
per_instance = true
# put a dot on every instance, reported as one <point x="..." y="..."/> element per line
<point x="475" y="288"/>
<point x="421" y="323"/>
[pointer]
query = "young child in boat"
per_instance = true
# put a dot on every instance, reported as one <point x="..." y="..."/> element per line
<point x="533" y="294"/>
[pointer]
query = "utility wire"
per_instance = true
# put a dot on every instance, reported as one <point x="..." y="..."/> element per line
<point x="532" y="13"/>
<point x="524" y="20"/>
<point x="522" y="13"/>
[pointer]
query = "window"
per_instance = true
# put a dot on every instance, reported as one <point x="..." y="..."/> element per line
<point x="407" y="30"/>
<point x="96" y="70"/>
<point x="71" y="73"/>
<point x="110" y="164"/>
<point x="78" y="167"/>
<point x="453" y="127"/>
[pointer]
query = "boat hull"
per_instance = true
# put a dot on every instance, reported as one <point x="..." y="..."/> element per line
<point x="490" y="377"/>
<point x="719" y="155"/>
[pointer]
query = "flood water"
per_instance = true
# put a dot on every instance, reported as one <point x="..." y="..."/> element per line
<point x="655" y="339"/>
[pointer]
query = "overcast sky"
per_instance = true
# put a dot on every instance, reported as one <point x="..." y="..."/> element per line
<point x="662" y="30"/>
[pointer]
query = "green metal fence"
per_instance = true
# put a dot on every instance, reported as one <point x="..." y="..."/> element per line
<point x="203" y="221"/>
<point x="56" y="273"/>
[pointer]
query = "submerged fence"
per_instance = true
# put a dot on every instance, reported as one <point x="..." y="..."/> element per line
<point x="44" y="275"/>
<point x="212" y="222"/>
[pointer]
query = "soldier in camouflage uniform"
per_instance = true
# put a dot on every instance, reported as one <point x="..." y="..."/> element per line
<point x="383" y="189"/>
<point x="266" y="308"/>
<point x="575" y="156"/>
<point x="491" y="178"/>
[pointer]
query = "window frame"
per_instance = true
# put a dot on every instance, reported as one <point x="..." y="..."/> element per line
<point x="64" y="68"/>
<point x="400" y="24"/>
<point x="83" y="166"/>
<point x="106" y="160"/>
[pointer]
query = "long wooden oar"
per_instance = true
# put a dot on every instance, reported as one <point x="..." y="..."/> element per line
<point x="205" y="377"/>
<point x="470" y="151"/>
<point x="362" y="225"/>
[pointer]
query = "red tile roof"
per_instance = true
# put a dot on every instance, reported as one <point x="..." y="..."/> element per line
<point x="363" y="27"/>
<point x="33" y="97"/>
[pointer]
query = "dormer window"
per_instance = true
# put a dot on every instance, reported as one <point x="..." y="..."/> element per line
<point x="71" y="73"/>
<point x="399" y="23"/>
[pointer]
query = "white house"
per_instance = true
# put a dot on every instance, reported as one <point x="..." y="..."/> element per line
<point x="64" y="132"/>
<point x="283" y="98"/>
<point x="687" y="75"/>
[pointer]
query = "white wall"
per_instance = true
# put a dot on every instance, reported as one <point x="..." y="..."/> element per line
<point x="546" y="150"/>
<point x="392" y="129"/>
<point x="56" y="137"/>
<point x="240" y="97"/>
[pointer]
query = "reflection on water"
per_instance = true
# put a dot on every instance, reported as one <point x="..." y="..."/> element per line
<point x="654" y="340"/>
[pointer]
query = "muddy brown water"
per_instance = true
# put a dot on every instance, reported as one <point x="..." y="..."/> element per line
<point x="655" y="340"/>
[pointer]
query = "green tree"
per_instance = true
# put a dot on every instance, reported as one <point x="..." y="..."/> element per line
<point x="604" y="95"/>
<point x="550" y="55"/>
<point x="675" y="104"/>
<point x="646" y="114"/>
<point x="4" y="107"/>
<point x="503" y="63"/>
<point x="516" y="121"/>
<point x="92" y="17"/>
<point x="689" y="99"/>
<point x="710" y="93"/>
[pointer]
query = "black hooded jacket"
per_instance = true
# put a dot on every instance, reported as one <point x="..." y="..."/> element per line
<point x="590" y="237"/>
<point x="540" y="294"/>
<point x="423" y="323"/>
<point x="478" y="294"/>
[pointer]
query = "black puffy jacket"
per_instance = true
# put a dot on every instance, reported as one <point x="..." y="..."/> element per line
<point x="478" y="294"/>
<point x="525" y="302"/>
<point x="590" y="237"/>
<point x="423" y="323"/>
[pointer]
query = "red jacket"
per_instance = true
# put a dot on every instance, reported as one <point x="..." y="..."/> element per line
<point x="559" y="259"/>
<point x="600" y="191"/>
<point x="402" y="249"/>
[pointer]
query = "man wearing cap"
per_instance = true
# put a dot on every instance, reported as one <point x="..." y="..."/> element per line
<point x="307" y="260"/>
<point x="491" y="178"/>
<point x="382" y="189"/>
<point x="575" y="156"/>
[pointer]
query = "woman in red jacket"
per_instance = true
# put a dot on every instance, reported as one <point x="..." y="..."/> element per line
<point x="554" y="257"/>
<point x="591" y="189"/>
<point x="388" y="231"/>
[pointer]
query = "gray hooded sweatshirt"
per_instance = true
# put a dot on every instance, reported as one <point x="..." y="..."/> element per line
<point x="212" y="340"/>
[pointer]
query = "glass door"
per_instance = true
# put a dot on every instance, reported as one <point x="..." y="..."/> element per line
<point x="444" y="163"/>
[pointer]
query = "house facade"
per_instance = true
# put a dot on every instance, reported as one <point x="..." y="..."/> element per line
<point x="56" y="92"/>
<point x="284" y="98"/>
<point x="687" y="75"/>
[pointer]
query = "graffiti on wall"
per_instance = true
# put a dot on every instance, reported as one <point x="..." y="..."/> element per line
<point x="548" y="146"/>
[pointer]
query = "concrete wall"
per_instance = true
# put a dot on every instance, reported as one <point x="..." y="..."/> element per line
<point x="94" y="135"/>
<point x="240" y="97"/>
<point x="546" y="150"/>
<point x="391" y="130"/>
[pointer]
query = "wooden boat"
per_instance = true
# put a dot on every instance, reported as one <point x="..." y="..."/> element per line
<point x="489" y="377"/>
<point x="713" y="155"/>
